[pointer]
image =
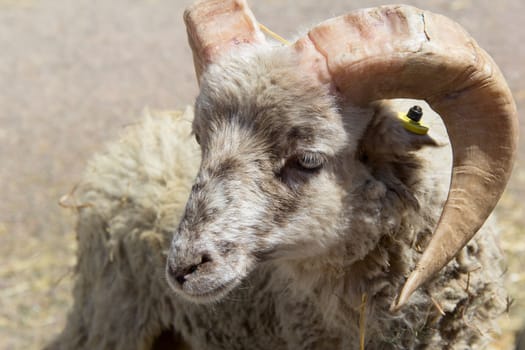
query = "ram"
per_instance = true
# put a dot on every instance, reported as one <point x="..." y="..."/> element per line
<point x="317" y="218"/>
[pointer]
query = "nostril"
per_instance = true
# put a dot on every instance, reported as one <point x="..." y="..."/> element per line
<point x="180" y="278"/>
<point x="176" y="274"/>
<point x="192" y="269"/>
<point x="205" y="259"/>
<point x="181" y="275"/>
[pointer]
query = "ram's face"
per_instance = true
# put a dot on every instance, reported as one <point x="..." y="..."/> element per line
<point x="267" y="186"/>
<point x="366" y="55"/>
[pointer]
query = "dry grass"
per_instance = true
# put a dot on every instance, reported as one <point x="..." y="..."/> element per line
<point x="511" y="214"/>
<point x="35" y="287"/>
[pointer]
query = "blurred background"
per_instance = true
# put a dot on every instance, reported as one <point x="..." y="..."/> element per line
<point x="74" y="73"/>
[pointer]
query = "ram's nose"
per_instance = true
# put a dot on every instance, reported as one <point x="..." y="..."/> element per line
<point x="181" y="272"/>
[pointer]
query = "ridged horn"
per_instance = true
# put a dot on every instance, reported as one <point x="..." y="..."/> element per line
<point x="217" y="26"/>
<point x="403" y="52"/>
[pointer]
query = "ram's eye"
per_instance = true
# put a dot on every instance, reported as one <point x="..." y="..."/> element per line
<point x="310" y="160"/>
<point x="197" y="138"/>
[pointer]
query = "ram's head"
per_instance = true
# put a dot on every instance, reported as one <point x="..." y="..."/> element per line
<point x="278" y="154"/>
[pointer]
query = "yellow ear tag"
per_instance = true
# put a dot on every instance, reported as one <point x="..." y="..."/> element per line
<point x="412" y="121"/>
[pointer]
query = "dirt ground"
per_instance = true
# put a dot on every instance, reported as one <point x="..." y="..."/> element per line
<point x="73" y="73"/>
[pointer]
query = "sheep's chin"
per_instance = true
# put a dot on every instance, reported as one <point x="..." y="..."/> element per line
<point x="209" y="296"/>
<point x="199" y="293"/>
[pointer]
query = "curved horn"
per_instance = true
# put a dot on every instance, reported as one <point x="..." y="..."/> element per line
<point x="216" y="26"/>
<point x="404" y="52"/>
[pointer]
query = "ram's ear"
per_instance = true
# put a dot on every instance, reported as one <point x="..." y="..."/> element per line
<point x="386" y="136"/>
<point x="388" y="150"/>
